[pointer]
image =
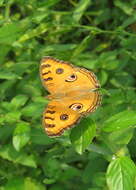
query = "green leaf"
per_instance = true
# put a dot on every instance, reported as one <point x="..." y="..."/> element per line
<point x="3" y="53"/>
<point x="129" y="43"/>
<point x="108" y="57"/>
<point x="82" y="46"/>
<point x="95" y="188"/>
<point x="122" y="136"/>
<point x="59" y="47"/>
<point x="19" y="101"/>
<point x="30" y="90"/>
<point x="125" y="6"/>
<point x="121" y="174"/>
<point x="20" y="140"/>
<point x="39" y="137"/>
<point x="8" y="75"/>
<point x="69" y="172"/>
<point x="9" y="153"/>
<point x="12" y="117"/>
<point x="119" y="121"/>
<point x="103" y="77"/>
<point x="18" y="183"/>
<point x="33" y="110"/>
<point x="23" y="67"/>
<point x="50" y="3"/>
<point x="10" y="33"/>
<point x="1" y="2"/>
<point x="52" y="169"/>
<point x="21" y="135"/>
<point x="6" y="132"/>
<point x="91" y="169"/>
<point x="80" y="9"/>
<point x="34" y="32"/>
<point x="6" y="86"/>
<point x="99" y="179"/>
<point x="82" y="135"/>
<point x="32" y="184"/>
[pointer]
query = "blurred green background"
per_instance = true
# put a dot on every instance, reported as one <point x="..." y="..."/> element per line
<point x="98" y="154"/>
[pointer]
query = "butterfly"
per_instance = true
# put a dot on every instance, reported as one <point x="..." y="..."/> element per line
<point x="74" y="92"/>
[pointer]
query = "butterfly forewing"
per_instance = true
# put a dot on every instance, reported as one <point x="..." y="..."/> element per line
<point x="57" y="82"/>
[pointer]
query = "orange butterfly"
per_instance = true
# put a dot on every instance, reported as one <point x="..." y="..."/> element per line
<point x="73" y="94"/>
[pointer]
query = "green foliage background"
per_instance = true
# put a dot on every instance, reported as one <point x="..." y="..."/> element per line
<point x="98" y="154"/>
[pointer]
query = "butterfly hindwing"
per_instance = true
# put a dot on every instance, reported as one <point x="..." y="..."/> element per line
<point x="65" y="113"/>
<point x="58" y="117"/>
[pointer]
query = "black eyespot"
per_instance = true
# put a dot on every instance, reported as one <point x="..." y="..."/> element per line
<point x="64" y="117"/>
<point x="71" y="78"/>
<point x="76" y="107"/>
<point x="59" y="71"/>
<point x="79" y="107"/>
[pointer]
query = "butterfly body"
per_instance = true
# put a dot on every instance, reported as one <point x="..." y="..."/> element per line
<point x="73" y="94"/>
